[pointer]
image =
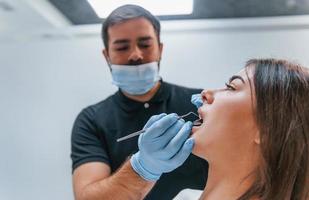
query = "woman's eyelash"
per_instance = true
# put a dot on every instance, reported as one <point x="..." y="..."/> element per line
<point x="229" y="86"/>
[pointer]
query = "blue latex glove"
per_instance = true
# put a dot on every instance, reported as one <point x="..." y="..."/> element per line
<point x="163" y="147"/>
<point x="196" y="99"/>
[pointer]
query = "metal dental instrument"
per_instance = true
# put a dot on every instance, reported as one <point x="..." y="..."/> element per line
<point x="196" y="122"/>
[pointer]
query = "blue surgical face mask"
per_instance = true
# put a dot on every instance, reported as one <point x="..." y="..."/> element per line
<point x="135" y="79"/>
<point x="196" y="99"/>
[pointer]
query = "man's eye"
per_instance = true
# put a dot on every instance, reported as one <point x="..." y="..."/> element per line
<point x="122" y="48"/>
<point x="229" y="86"/>
<point x="144" y="45"/>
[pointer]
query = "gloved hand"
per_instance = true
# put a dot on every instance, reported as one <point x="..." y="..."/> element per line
<point x="163" y="147"/>
<point x="196" y="99"/>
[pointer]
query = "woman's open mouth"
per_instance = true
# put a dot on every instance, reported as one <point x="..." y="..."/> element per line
<point x="198" y="122"/>
<point x="196" y="125"/>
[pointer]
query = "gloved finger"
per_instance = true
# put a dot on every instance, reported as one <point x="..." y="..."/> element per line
<point x="182" y="154"/>
<point x="176" y="142"/>
<point x="196" y="99"/>
<point x="161" y="125"/>
<point x="141" y="139"/>
<point x="162" y="140"/>
<point x="153" y="119"/>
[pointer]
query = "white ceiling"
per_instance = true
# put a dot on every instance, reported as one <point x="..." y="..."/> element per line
<point x="25" y="19"/>
<point x="32" y="20"/>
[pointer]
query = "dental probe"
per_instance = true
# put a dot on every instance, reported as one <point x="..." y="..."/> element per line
<point x="196" y="122"/>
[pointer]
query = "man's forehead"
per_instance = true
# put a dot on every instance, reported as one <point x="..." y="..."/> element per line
<point x="137" y="25"/>
<point x="131" y="30"/>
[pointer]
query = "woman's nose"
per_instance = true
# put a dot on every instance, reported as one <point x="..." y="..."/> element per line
<point x="208" y="96"/>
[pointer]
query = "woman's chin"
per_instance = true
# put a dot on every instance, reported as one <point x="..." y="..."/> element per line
<point x="198" y="134"/>
<point x="197" y="151"/>
<point x="193" y="135"/>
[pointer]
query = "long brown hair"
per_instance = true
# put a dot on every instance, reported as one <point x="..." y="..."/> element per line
<point x="281" y="91"/>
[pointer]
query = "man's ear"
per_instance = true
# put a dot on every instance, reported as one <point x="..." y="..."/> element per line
<point x="105" y="53"/>
<point x="257" y="138"/>
<point x="160" y="49"/>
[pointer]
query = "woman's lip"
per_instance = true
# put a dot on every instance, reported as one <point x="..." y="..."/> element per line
<point x="194" y="129"/>
<point x="200" y="113"/>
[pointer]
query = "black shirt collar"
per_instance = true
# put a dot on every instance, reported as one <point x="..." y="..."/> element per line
<point x="130" y="105"/>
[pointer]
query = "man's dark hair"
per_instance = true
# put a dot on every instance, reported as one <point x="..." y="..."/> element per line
<point x="127" y="12"/>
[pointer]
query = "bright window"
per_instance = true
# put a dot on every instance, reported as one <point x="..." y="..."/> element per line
<point x="157" y="7"/>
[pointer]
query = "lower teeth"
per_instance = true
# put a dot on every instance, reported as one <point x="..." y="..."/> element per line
<point x="198" y="122"/>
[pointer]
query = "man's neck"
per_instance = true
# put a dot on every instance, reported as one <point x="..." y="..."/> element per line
<point x="144" y="97"/>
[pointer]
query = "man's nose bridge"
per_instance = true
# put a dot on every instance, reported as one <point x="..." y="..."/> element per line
<point x="135" y="53"/>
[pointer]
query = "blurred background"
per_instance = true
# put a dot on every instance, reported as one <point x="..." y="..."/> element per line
<point x="52" y="67"/>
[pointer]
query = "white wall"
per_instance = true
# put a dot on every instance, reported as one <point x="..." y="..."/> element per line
<point x="45" y="83"/>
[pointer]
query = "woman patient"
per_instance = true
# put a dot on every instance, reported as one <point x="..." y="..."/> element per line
<point x="255" y="133"/>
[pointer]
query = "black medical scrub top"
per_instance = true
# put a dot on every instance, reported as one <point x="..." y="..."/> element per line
<point x="97" y="128"/>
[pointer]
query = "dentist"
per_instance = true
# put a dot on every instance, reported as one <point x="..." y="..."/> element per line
<point x="137" y="168"/>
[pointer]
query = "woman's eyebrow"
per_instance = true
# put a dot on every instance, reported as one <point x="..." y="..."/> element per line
<point x="236" y="77"/>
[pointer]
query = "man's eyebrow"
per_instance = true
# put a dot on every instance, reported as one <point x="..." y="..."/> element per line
<point x="236" y="77"/>
<point x="121" y="41"/>
<point x="141" y="39"/>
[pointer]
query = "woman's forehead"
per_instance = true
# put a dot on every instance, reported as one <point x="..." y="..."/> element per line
<point x="246" y="73"/>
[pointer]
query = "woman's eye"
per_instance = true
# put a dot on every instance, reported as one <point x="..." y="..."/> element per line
<point x="229" y="86"/>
